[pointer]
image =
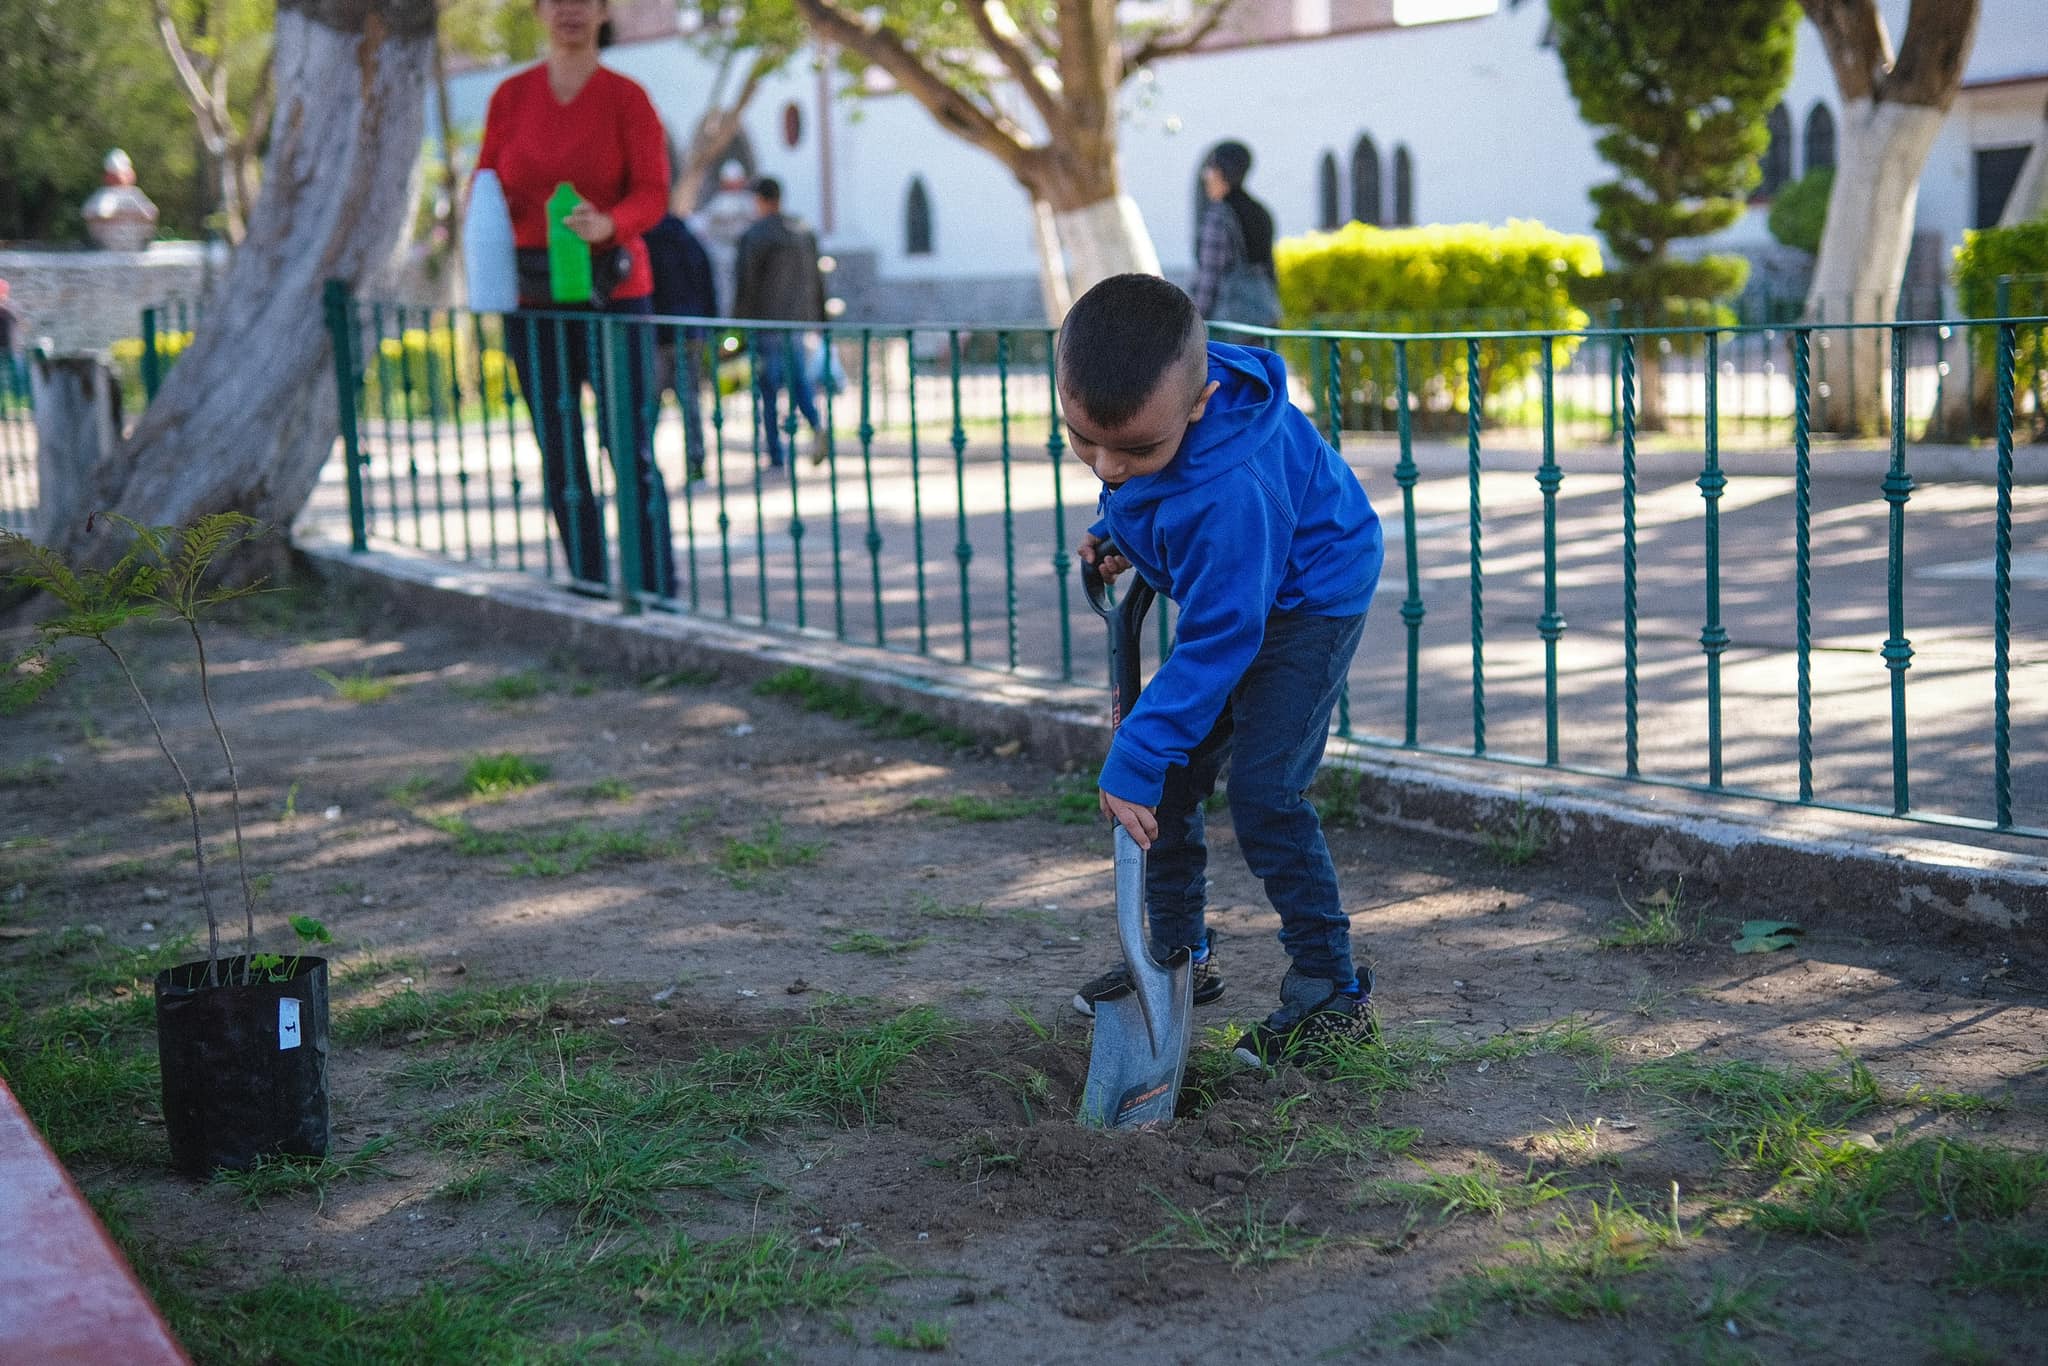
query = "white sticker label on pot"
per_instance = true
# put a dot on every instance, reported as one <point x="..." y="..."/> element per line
<point x="287" y="1023"/>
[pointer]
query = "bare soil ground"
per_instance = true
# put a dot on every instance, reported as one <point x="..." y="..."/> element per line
<point x="725" y="1028"/>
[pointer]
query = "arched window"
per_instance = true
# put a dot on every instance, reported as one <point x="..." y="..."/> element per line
<point x="1328" y="214"/>
<point x="1404" y="187"/>
<point x="1820" y="138"/>
<point x="1365" y="181"/>
<point x="1777" y="162"/>
<point x="917" y="219"/>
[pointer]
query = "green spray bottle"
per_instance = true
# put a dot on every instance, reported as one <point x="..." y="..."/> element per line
<point x="568" y="254"/>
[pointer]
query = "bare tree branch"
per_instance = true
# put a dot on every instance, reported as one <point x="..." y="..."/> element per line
<point x="1931" y="55"/>
<point x="197" y="95"/>
<point x="1016" y="61"/>
<point x="1858" y="48"/>
<point x="885" y="47"/>
<point x="1160" y="44"/>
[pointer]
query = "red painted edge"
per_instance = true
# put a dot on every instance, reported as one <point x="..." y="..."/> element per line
<point x="67" y="1295"/>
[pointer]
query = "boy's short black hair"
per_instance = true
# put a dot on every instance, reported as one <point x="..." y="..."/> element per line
<point x="769" y="188"/>
<point x="1121" y="337"/>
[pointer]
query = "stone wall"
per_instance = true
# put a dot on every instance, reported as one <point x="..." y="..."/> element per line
<point x="88" y="300"/>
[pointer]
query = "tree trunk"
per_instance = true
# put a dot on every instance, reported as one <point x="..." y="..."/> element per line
<point x="1052" y="264"/>
<point x="247" y="417"/>
<point x="78" y="427"/>
<point x="1863" y="250"/>
<point x="457" y="281"/>
<point x="1102" y="239"/>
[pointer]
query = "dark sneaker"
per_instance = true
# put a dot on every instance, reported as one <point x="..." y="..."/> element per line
<point x="1313" y="1011"/>
<point x="1117" y="981"/>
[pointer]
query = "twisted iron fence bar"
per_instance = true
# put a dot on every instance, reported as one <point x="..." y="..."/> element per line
<point x="438" y="413"/>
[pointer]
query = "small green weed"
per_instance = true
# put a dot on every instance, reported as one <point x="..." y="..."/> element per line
<point x="360" y="688"/>
<point x="1522" y="837"/>
<point x="1476" y="1192"/>
<point x="35" y="771"/>
<point x="465" y="1014"/>
<point x="554" y="850"/>
<point x="1335" y="794"/>
<point x="923" y="1336"/>
<point x="416" y="788"/>
<point x="495" y="775"/>
<point x="934" y="909"/>
<point x="702" y="1283"/>
<point x="744" y="861"/>
<point x="607" y="790"/>
<point x="875" y="945"/>
<point x="1660" y="922"/>
<point x="2009" y="1262"/>
<point x="847" y="702"/>
<point x="1253" y="1238"/>
<point x="1955" y="1342"/>
<point x="506" y="689"/>
<point x="272" y="1177"/>
<point x="975" y="810"/>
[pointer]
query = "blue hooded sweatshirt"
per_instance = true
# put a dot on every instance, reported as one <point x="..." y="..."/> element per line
<point x="1255" y="514"/>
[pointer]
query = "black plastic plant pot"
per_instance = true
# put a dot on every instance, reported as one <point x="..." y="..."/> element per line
<point x="244" y="1067"/>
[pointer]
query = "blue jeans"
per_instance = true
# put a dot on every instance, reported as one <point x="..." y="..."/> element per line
<point x="1272" y="732"/>
<point x="779" y="360"/>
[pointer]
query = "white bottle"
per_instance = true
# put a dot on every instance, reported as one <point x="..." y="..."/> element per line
<point x="487" y="251"/>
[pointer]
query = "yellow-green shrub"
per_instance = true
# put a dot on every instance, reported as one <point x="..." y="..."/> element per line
<point x="430" y="365"/>
<point x="1444" y="277"/>
<point x="127" y="359"/>
<point x="1985" y="255"/>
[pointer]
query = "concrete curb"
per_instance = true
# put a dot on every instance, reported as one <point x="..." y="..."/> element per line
<point x="1739" y="852"/>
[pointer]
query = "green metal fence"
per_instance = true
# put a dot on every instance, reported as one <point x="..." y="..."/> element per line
<point x="18" y="475"/>
<point x="1808" y="626"/>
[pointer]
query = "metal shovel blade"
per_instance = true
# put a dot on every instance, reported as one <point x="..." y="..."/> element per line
<point x="1141" y="1038"/>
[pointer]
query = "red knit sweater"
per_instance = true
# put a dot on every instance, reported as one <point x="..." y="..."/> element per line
<point x="607" y="142"/>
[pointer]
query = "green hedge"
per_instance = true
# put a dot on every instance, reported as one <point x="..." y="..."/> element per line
<point x="1444" y="277"/>
<point x="2021" y="252"/>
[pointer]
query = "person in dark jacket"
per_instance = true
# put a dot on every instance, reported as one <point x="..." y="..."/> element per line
<point x="683" y="288"/>
<point x="777" y="278"/>
<point x="1222" y="496"/>
<point x="1234" y="281"/>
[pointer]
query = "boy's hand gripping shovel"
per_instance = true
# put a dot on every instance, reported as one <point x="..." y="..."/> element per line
<point x="1141" y="1037"/>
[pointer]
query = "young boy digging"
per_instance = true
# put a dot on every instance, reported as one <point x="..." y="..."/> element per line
<point x="1222" y="496"/>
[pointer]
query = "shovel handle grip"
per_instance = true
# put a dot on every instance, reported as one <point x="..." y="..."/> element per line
<point x="1126" y="619"/>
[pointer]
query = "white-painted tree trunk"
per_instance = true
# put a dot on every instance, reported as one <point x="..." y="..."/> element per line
<point x="247" y="417"/>
<point x="1103" y="239"/>
<point x="1052" y="263"/>
<point x="1863" y="250"/>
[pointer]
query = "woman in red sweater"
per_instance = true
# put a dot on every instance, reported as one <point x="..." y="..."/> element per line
<point x="571" y="120"/>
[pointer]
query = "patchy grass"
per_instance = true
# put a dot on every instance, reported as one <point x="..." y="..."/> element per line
<point x="275" y="1177"/>
<point x="1581" y="1270"/>
<point x="35" y="771"/>
<point x="1662" y="921"/>
<point x="606" y="790"/>
<point x="932" y="908"/>
<point x="924" y="1335"/>
<point x="1484" y="1191"/>
<point x="462" y="1015"/>
<point x="1522" y="837"/>
<point x="1335" y="794"/>
<point x="875" y="945"/>
<point x="2009" y="1262"/>
<point x="847" y="702"/>
<point x="508" y="689"/>
<point x="1842" y="1186"/>
<point x="361" y="688"/>
<point x="770" y="850"/>
<point x="555" y="850"/>
<point x="1252" y="1237"/>
<point x="611" y="1145"/>
<point x="498" y="775"/>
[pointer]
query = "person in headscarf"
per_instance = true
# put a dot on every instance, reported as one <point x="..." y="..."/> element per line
<point x="1234" y="279"/>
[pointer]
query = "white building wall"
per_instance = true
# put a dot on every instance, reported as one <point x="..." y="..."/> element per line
<point x="1481" y="105"/>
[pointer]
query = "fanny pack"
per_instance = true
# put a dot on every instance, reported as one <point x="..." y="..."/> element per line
<point x="609" y="267"/>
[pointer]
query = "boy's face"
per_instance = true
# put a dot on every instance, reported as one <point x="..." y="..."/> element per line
<point x="1144" y="444"/>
